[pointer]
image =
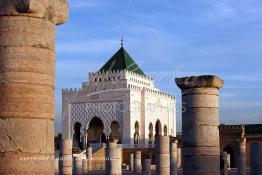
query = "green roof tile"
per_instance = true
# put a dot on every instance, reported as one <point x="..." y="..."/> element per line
<point x="121" y="60"/>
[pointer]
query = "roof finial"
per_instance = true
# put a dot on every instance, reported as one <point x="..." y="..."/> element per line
<point x="122" y="41"/>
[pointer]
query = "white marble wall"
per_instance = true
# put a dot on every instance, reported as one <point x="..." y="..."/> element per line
<point x="127" y="98"/>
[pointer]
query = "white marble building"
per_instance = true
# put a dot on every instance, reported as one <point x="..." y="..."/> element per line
<point x="118" y="101"/>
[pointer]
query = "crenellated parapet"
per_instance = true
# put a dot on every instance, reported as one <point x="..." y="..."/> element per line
<point x="71" y="91"/>
<point x="134" y="87"/>
<point x="54" y="10"/>
<point x="159" y="93"/>
<point x="106" y="76"/>
<point x="110" y="75"/>
<point x="139" y="75"/>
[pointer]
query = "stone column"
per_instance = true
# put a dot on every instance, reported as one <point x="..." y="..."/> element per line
<point x="27" y="82"/>
<point x="173" y="158"/>
<point x="85" y="166"/>
<point x="114" y="158"/>
<point x="179" y="158"/>
<point x="131" y="162"/>
<point x="228" y="161"/>
<point x="162" y="155"/>
<point x="56" y="166"/>
<point x="200" y="121"/>
<point x="137" y="161"/>
<point x="241" y="160"/>
<point x="78" y="165"/>
<point x="146" y="167"/>
<point x="256" y="158"/>
<point x="224" y="157"/>
<point x="89" y="156"/>
<point x="66" y="162"/>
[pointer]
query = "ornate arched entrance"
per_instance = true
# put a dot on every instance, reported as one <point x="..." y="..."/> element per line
<point x="158" y="128"/>
<point x="95" y="131"/>
<point x="77" y="140"/>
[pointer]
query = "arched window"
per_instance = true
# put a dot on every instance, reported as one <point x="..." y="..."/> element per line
<point x="136" y="135"/>
<point x="165" y="130"/>
<point x="77" y="143"/>
<point x="95" y="131"/>
<point x="115" y="133"/>
<point x="150" y="136"/>
<point x="158" y="128"/>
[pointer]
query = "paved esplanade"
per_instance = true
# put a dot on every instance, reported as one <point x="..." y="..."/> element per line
<point x="27" y="54"/>
<point x="200" y="120"/>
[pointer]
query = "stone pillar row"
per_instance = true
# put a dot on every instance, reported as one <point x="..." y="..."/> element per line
<point x="200" y="121"/>
<point x="27" y="84"/>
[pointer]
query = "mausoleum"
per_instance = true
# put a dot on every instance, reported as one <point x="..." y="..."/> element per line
<point x="119" y="101"/>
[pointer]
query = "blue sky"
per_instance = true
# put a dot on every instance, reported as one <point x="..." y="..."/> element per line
<point x="169" y="38"/>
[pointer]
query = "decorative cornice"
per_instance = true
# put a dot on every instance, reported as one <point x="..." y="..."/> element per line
<point x="204" y="81"/>
<point x="54" y="10"/>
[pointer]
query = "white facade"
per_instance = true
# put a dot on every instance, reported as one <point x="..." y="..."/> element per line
<point x="122" y="96"/>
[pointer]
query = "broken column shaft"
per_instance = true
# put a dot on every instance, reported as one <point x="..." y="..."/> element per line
<point x="241" y="169"/>
<point x="200" y="121"/>
<point x="137" y="162"/>
<point x="162" y="155"/>
<point x="114" y="158"/>
<point x="66" y="160"/>
<point x="27" y="82"/>
<point x="173" y="158"/>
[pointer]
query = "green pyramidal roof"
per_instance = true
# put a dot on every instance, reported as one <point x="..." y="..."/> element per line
<point x="121" y="60"/>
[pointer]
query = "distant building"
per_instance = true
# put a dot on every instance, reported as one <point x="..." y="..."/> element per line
<point x="230" y="134"/>
<point x="119" y="101"/>
<point x="229" y="137"/>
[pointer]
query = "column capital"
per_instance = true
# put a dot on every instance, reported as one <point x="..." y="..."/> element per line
<point x="203" y="81"/>
<point x="54" y="10"/>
